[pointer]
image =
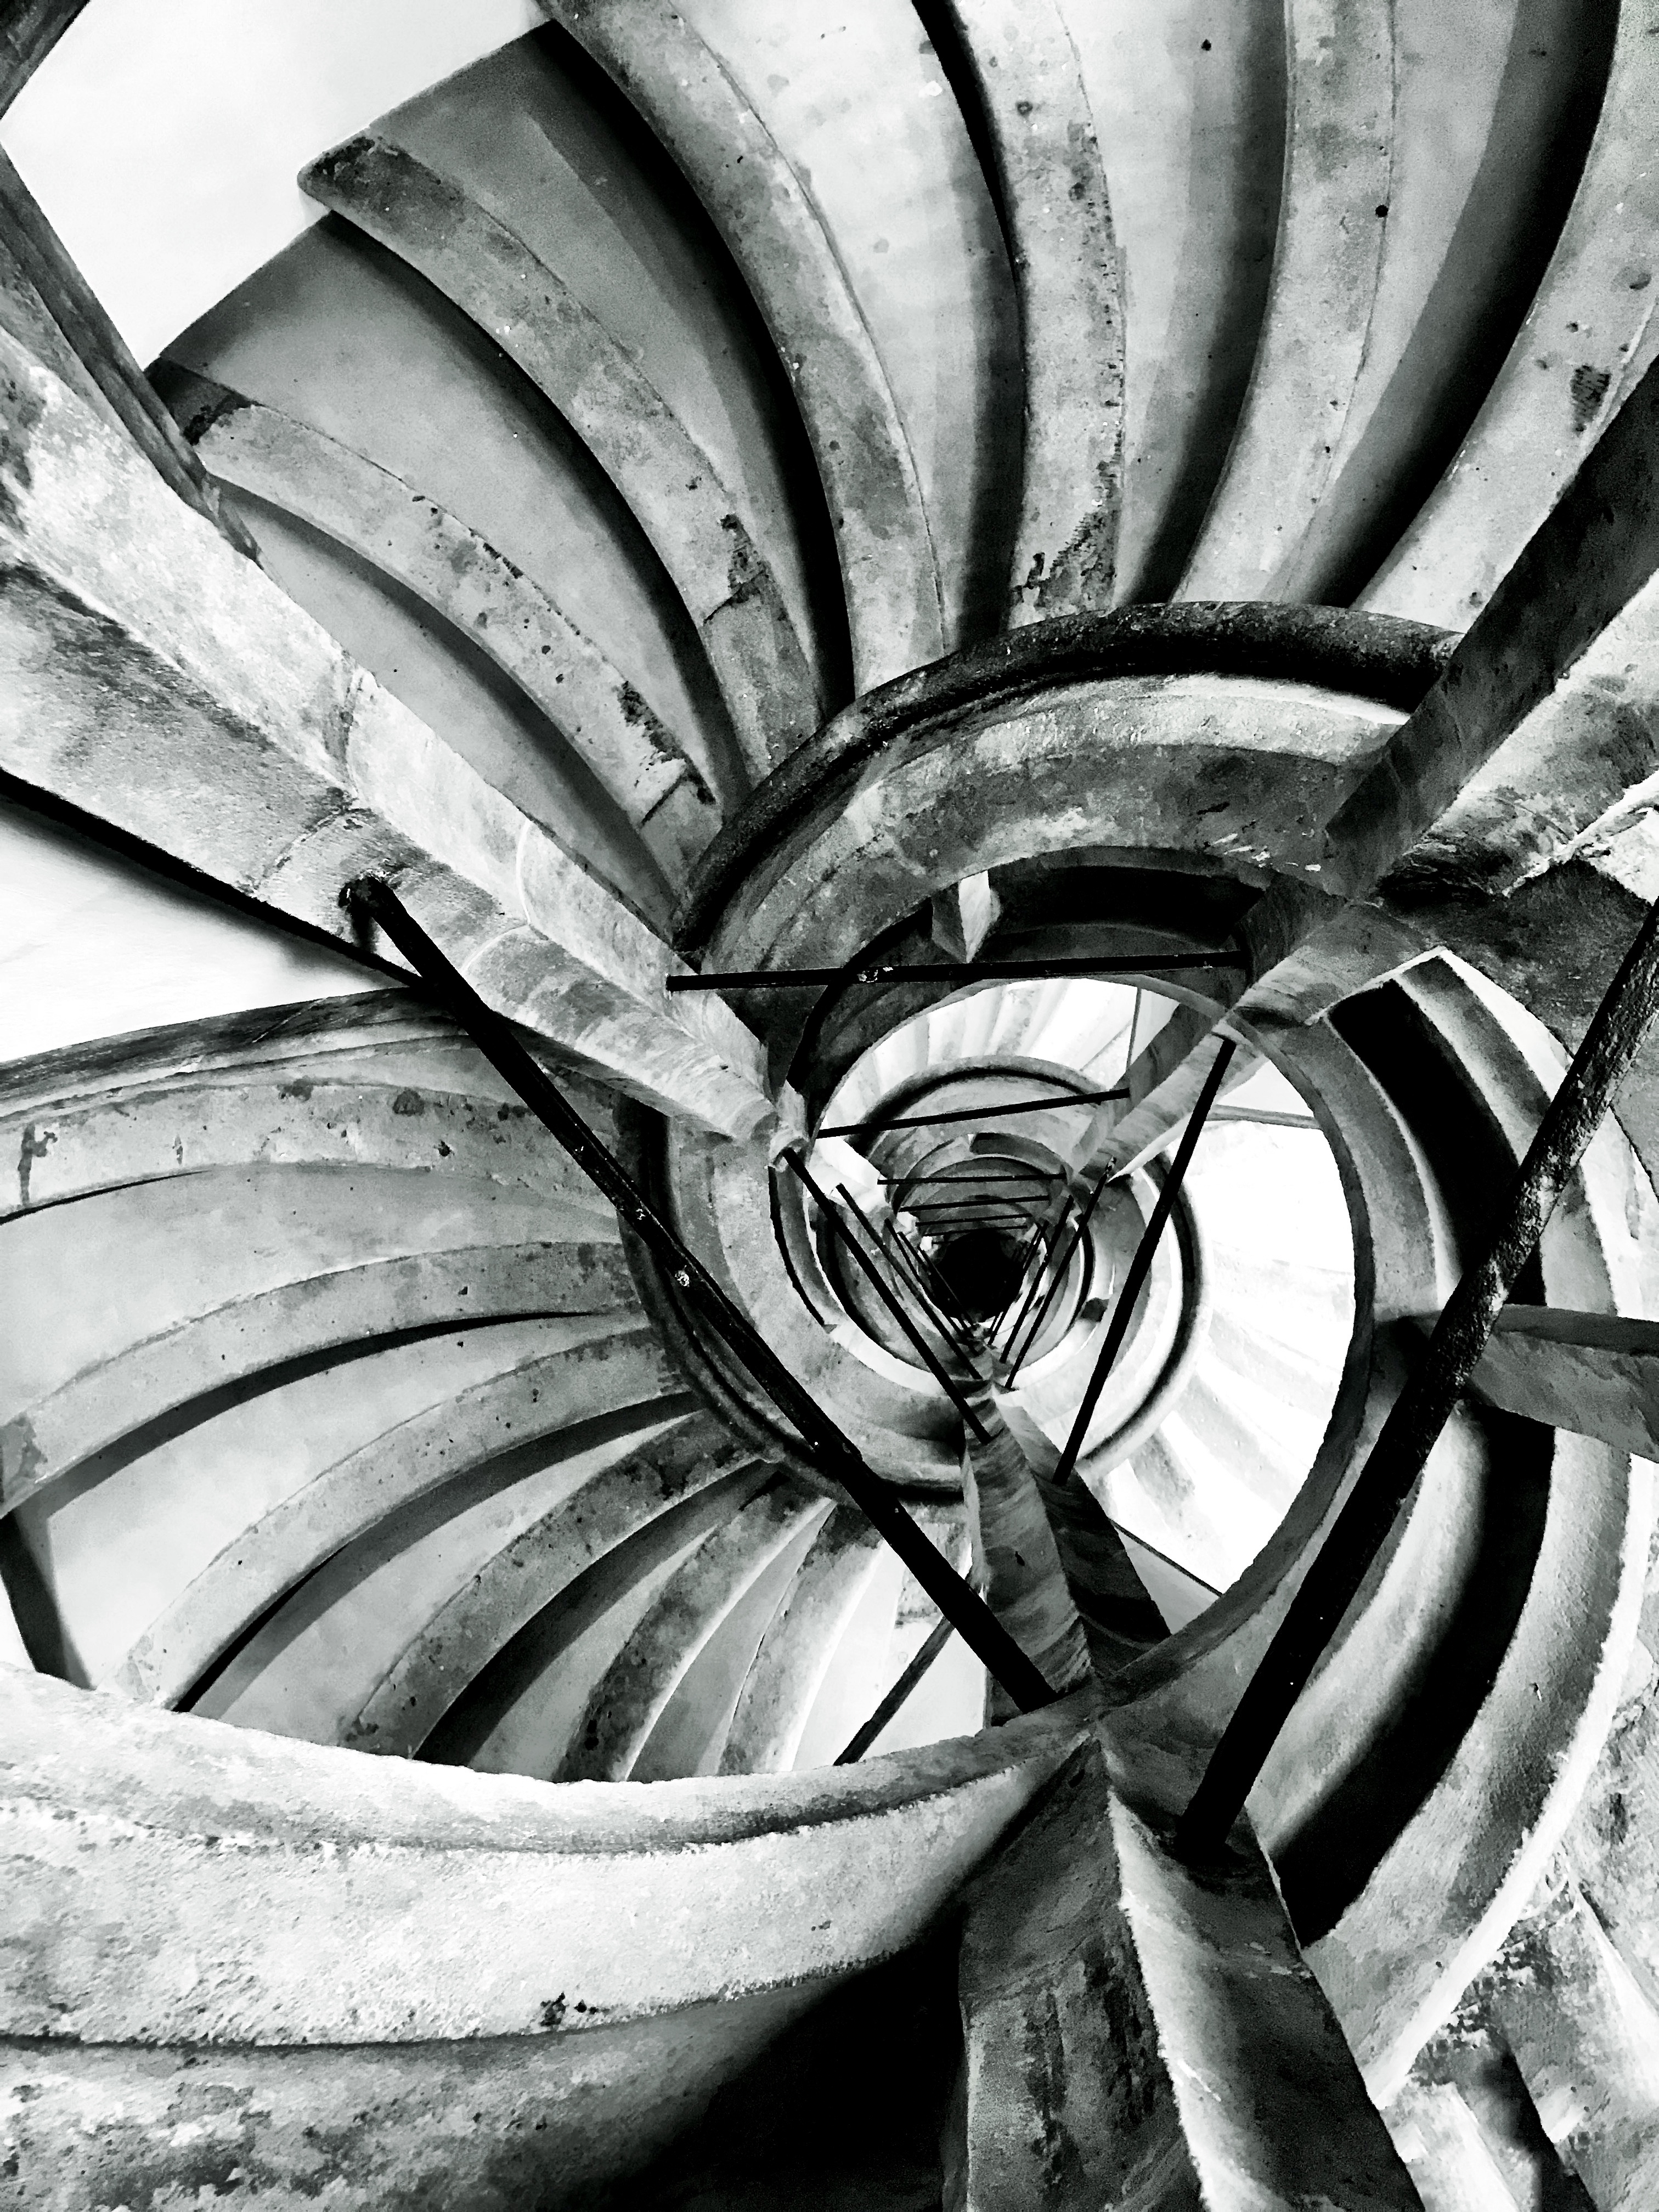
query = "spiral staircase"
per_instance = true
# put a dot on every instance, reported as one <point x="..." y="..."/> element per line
<point x="902" y="492"/>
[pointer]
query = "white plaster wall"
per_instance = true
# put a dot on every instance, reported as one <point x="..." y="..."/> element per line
<point x="162" y="137"/>
<point x="91" y="946"/>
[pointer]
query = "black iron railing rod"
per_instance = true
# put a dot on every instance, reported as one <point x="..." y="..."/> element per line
<point x="924" y="1211"/>
<point x="947" y="1317"/>
<point x="1057" y="1276"/>
<point x="941" y="1195"/>
<point x="1615" y="1035"/>
<point x="947" y="1189"/>
<point x="928" y="1218"/>
<point x="850" y="1244"/>
<point x="1058" y="1271"/>
<point x="983" y="1209"/>
<point x="944" y="1294"/>
<point x="1047" y="1243"/>
<point x="1038" y="1248"/>
<point x="953" y="971"/>
<point x="938" y="1637"/>
<point x="836" y="1454"/>
<point x="877" y="1128"/>
<point x="1041" y="1276"/>
<point x="919" y="1269"/>
<point x="1140" y="1268"/>
<point x="1174" y="1564"/>
<point x="964" y="1350"/>
<point x="952" y="1178"/>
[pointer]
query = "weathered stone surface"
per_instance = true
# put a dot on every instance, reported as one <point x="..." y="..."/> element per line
<point x="412" y="1871"/>
<point x="1054" y="202"/>
<point x="1588" y="334"/>
<point x="636" y="437"/>
<point x="1016" y="1562"/>
<point x="1445" y="2152"/>
<point x="1487" y="732"/>
<point x="1408" y="1941"/>
<point x="77" y="321"/>
<point x="777" y="233"/>
<point x="234" y="1270"/>
<point x="146" y="661"/>
<point x="1531" y="740"/>
<point x="530" y="1572"/>
<point x="1585" y="2036"/>
<point x="626" y="1704"/>
<point x="29" y="36"/>
<point x="435" y="555"/>
<point x="1322" y="649"/>
<point x="1596" y="1373"/>
<point x="578" y="1369"/>
<point x="1112" y="763"/>
<point x="801" y="1646"/>
<point x="353" y="1109"/>
<point x="487" y="2122"/>
<point x="1137" y="2032"/>
<point x="1340" y="96"/>
<point x="1118" y="1619"/>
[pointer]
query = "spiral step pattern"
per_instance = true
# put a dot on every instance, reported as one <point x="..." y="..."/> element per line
<point x="745" y="490"/>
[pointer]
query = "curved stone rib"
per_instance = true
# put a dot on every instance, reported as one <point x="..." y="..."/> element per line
<point x="1017" y="1561"/>
<point x="631" y="1697"/>
<point x="191" y="1125"/>
<point x="412" y="1872"/>
<point x="1594" y="1373"/>
<point x="1117" y="1617"/>
<point x="490" y="274"/>
<point x="1152" y="2027"/>
<point x="1586" y="340"/>
<point x="890" y="570"/>
<point x="1163" y="1078"/>
<point x="434" y="556"/>
<point x="799" y="1646"/>
<point x="529" y="1573"/>
<point x="1325" y="267"/>
<point x="1535" y="734"/>
<point x="196" y="1245"/>
<point x="348" y="1305"/>
<point x="541" y="1393"/>
<point x="140" y="658"/>
<point x="1066" y="273"/>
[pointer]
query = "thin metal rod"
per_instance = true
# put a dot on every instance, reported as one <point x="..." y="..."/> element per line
<point x="1134" y="1280"/>
<point x="1009" y="1197"/>
<point x="1036" y="1243"/>
<point x="834" y="1453"/>
<point x="983" y="1209"/>
<point x="993" y="1200"/>
<point x="1018" y="1171"/>
<point x="939" y="1636"/>
<point x="1616" y="1033"/>
<point x="877" y="1128"/>
<point x="871" y="1275"/>
<point x="1056" y="1278"/>
<point x="1047" y="1243"/>
<point x="953" y="971"/>
<point x="947" y="1317"/>
<point x="923" y="1269"/>
<point x="1164" y="1557"/>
